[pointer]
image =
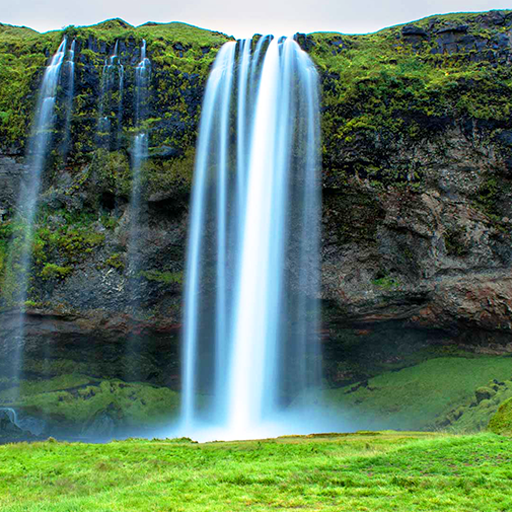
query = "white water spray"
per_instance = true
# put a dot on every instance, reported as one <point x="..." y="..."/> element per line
<point x="251" y="312"/>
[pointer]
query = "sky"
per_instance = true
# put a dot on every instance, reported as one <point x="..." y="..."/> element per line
<point x="240" y="18"/>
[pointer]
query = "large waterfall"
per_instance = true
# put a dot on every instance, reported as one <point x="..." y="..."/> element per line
<point x="252" y="276"/>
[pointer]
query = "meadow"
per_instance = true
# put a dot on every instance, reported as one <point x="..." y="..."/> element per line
<point x="365" y="471"/>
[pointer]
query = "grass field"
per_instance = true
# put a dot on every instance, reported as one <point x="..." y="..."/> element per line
<point x="386" y="471"/>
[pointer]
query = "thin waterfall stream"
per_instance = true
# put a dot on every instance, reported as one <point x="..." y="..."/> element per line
<point x="139" y="155"/>
<point x="70" y="94"/>
<point x="111" y="101"/>
<point x="20" y="256"/>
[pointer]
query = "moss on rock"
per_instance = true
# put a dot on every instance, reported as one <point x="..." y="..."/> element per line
<point x="438" y="393"/>
<point x="73" y="400"/>
<point x="501" y="422"/>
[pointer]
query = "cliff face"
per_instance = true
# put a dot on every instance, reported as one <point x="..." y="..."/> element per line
<point x="417" y="195"/>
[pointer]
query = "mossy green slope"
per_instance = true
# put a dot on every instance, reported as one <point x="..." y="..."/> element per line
<point x="438" y="393"/>
<point x="501" y="422"/>
<point x="74" y="401"/>
<point x="366" y="472"/>
<point x="24" y="54"/>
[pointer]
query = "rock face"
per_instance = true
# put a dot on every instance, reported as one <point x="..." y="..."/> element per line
<point x="10" y="432"/>
<point x="417" y="200"/>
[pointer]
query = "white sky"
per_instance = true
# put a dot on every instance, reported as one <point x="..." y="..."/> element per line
<point x="240" y="18"/>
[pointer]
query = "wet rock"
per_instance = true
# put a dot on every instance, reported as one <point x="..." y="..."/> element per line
<point x="412" y="31"/>
<point x="454" y="29"/>
<point x="10" y="432"/>
<point x="11" y="175"/>
<point x="32" y="424"/>
<point x="484" y="393"/>
<point x="165" y="152"/>
<point x="101" y="428"/>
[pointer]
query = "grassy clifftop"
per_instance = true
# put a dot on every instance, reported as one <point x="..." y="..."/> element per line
<point x="24" y="53"/>
<point x="404" y="80"/>
<point x="384" y="94"/>
<point x="410" y="83"/>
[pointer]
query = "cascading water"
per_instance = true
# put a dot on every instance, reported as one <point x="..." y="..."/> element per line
<point x="20" y="256"/>
<point x="111" y="100"/>
<point x="139" y="156"/>
<point x="252" y="277"/>
<point x="11" y="414"/>
<point x="70" y="92"/>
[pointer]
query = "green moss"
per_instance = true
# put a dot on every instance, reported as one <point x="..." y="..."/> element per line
<point x="116" y="261"/>
<point x="163" y="277"/>
<point x="488" y="197"/>
<point x="52" y="271"/>
<point x="109" y="221"/>
<point x="77" y="399"/>
<point x="5" y="236"/>
<point x="71" y="242"/>
<point x="455" y="242"/>
<point x="386" y="282"/>
<point x="423" y="396"/>
<point x="501" y="422"/>
<point x="175" y="175"/>
<point x="111" y="173"/>
<point x="484" y="393"/>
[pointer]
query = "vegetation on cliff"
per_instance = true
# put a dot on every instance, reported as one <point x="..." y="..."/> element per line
<point x="389" y="99"/>
<point x="75" y="402"/>
<point x="177" y="51"/>
<point x="407" y="84"/>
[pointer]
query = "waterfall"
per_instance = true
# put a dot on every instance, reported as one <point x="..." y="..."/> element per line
<point x="111" y="100"/>
<point x="11" y="414"/>
<point x="208" y="156"/>
<point x="250" y="343"/>
<point x="20" y="256"/>
<point x="139" y="155"/>
<point x="70" y="92"/>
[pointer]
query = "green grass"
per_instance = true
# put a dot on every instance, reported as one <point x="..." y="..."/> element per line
<point x="501" y="422"/>
<point x="385" y="471"/>
<point x="424" y="396"/>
